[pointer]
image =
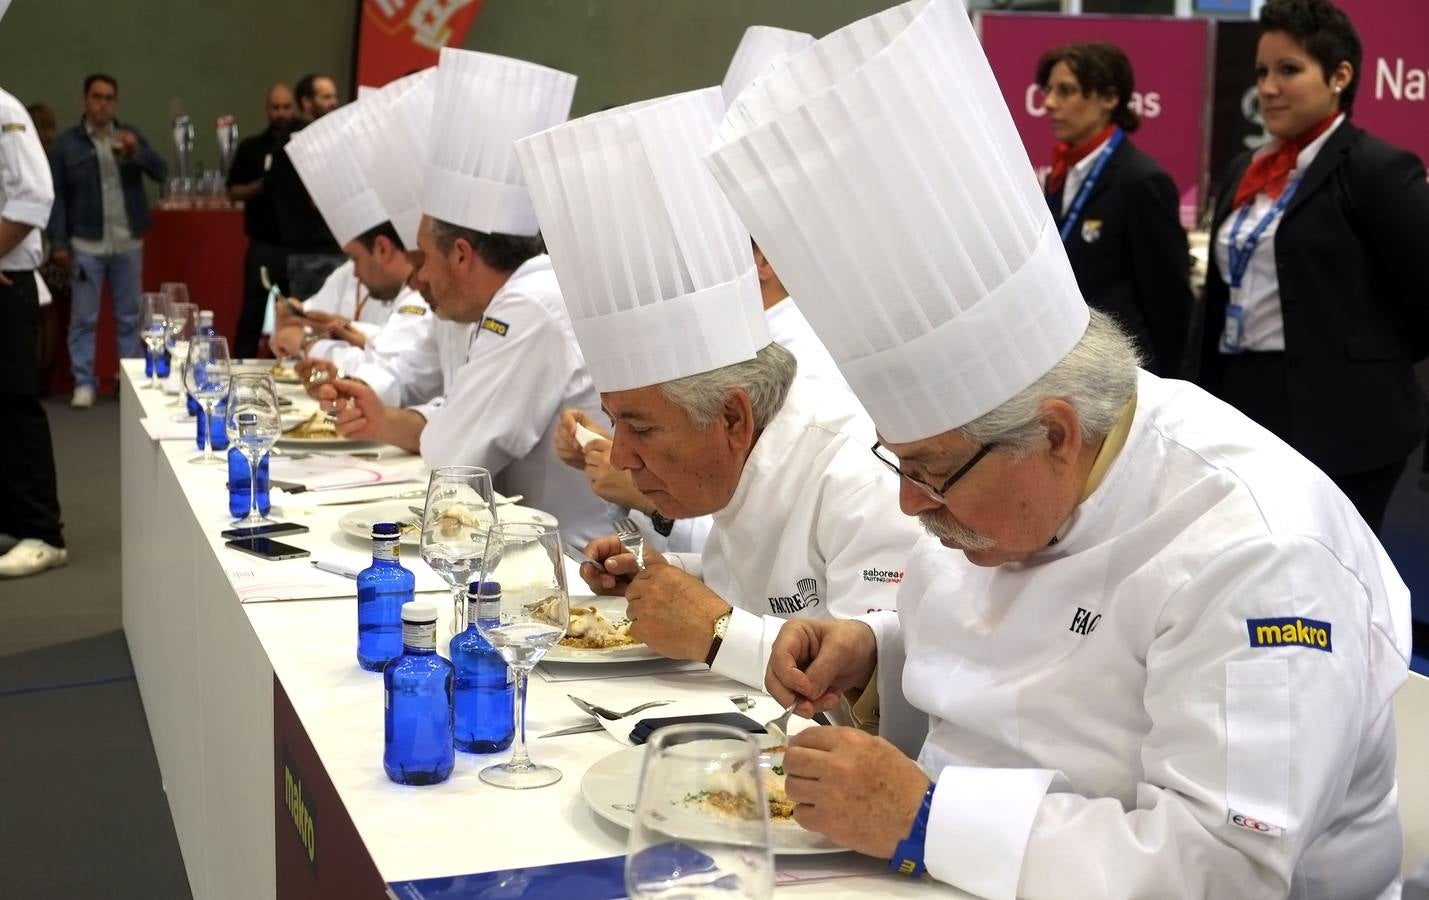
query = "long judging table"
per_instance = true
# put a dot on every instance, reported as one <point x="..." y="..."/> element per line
<point x="269" y="737"/>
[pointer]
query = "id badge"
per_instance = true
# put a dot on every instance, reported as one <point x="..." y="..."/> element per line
<point x="1233" y="336"/>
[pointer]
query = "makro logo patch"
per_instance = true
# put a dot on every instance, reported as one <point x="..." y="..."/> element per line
<point x="1290" y="631"/>
<point x="301" y="810"/>
<point x="495" y="326"/>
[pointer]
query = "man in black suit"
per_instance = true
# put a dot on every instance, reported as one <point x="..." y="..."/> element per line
<point x="1118" y="212"/>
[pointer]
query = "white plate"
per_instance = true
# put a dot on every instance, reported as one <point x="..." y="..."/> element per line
<point x="294" y="443"/>
<point x="611" y="784"/>
<point x="358" y="523"/>
<point x="614" y="609"/>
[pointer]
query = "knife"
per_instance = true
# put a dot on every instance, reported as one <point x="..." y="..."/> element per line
<point x="405" y="495"/>
<point x="578" y="729"/>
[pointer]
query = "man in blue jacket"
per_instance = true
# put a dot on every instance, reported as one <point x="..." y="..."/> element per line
<point x="97" y="225"/>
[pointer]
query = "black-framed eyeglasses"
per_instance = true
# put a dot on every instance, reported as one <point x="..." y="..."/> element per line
<point x="888" y="459"/>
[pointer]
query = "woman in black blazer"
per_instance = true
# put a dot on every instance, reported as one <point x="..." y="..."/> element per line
<point x="1119" y="213"/>
<point x="1317" y="299"/>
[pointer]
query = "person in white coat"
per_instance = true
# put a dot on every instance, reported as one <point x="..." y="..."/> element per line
<point x="509" y="359"/>
<point x="1147" y="649"/>
<point x="710" y="418"/>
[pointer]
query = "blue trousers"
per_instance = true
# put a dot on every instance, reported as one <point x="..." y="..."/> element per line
<point x="90" y="272"/>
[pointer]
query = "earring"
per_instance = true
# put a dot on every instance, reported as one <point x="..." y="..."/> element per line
<point x="1338" y="88"/>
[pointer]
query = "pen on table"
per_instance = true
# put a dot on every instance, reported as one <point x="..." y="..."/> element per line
<point x="335" y="569"/>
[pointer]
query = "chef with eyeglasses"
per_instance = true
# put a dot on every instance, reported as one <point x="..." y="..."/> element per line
<point x="1146" y="649"/>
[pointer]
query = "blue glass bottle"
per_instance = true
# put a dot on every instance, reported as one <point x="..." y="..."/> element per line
<point x="418" y="720"/>
<point x="238" y="484"/>
<point x="382" y="590"/>
<point x="204" y="326"/>
<point x="485" y="694"/>
<point x="217" y="431"/>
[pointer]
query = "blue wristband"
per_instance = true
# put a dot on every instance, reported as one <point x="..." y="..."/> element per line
<point x="908" y="856"/>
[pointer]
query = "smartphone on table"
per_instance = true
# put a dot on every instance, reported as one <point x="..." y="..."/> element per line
<point x="270" y="530"/>
<point x="267" y="548"/>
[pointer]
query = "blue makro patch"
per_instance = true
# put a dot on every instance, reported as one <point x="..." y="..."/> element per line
<point x="1290" y="631"/>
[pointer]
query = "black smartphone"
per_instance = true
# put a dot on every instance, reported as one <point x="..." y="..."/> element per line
<point x="271" y="530"/>
<point x="645" y="727"/>
<point x="267" y="548"/>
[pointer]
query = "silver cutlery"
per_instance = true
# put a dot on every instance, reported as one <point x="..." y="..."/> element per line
<point x="576" y="554"/>
<point x="405" y="495"/>
<point x="612" y="715"/>
<point x="578" y="729"/>
<point x="631" y="539"/>
<point x="777" y="727"/>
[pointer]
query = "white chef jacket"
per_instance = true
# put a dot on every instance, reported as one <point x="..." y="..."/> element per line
<point x="813" y="531"/>
<point x="1119" y="715"/>
<point x="401" y="353"/>
<point x="502" y="405"/>
<point x="340" y="295"/>
<point x="789" y="329"/>
<point x="26" y="189"/>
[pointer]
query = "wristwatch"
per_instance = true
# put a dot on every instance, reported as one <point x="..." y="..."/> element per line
<point x="721" y="626"/>
<point x="661" y="524"/>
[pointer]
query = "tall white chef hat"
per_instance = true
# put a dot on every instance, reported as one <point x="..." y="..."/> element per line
<point x="394" y="157"/>
<point x="483" y="104"/>
<point x="656" y="269"/>
<point x="880" y="172"/>
<point x="760" y="48"/>
<point x="325" y="155"/>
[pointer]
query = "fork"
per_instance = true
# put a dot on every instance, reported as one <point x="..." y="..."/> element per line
<point x="777" y="728"/>
<point x="610" y="714"/>
<point x="631" y="539"/>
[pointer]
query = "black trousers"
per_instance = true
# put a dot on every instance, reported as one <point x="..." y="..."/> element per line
<point x="1257" y="385"/>
<point x="249" y="331"/>
<point x="29" y="498"/>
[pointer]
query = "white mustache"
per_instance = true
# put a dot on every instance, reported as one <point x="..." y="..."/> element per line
<point x="954" y="532"/>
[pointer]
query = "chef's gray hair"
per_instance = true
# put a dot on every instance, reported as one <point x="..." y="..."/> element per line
<point x="766" y="379"/>
<point x="1098" y="378"/>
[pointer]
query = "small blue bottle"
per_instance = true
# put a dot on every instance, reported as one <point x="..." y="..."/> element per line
<point x="383" y="588"/>
<point x="204" y="326"/>
<point x="418" y="720"/>
<point x="238" y="484"/>
<point x="217" y="431"/>
<point x="485" y="694"/>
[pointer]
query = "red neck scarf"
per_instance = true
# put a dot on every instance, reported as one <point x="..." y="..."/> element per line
<point x="1270" y="172"/>
<point x="1065" y="155"/>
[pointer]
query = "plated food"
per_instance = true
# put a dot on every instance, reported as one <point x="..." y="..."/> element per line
<point x="589" y="629"/>
<point x="284" y="374"/>
<point x="728" y="794"/>
<point x="316" y="427"/>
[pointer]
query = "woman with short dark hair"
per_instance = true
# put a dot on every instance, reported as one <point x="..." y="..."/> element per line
<point x="1316" y="297"/>
<point x="1118" y="212"/>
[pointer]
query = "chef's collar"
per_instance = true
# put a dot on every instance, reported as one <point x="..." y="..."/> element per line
<point x="1106" y="455"/>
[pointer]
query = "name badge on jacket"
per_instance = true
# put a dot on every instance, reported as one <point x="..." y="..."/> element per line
<point x="1091" y="231"/>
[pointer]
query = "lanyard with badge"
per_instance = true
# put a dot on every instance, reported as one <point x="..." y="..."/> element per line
<point x="1238" y="258"/>
<point x="1085" y="190"/>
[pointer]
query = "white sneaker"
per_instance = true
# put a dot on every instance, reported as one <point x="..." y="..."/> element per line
<point x="83" y="397"/>
<point x="29" y="557"/>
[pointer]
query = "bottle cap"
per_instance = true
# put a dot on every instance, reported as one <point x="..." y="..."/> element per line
<point x="420" y="612"/>
<point x="386" y="529"/>
<point x="484" y="589"/>
<point x="205" y="314"/>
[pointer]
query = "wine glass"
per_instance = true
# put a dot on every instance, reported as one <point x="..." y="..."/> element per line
<point x="206" y="376"/>
<point x="454" y="523"/>
<point x="180" y="327"/>
<point x="253" y="422"/>
<point x="176" y="291"/>
<point x="526" y="560"/>
<point x="701" y="817"/>
<point x="156" y="322"/>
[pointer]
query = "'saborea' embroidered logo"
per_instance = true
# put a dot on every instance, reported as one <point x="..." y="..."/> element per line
<point x="882" y="576"/>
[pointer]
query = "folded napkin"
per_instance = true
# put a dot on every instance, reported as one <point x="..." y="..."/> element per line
<point x="620" y="728"/>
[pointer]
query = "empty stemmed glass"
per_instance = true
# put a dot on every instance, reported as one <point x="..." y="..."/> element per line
<point x="701" y="818"/>
<point x="454" y="523"/>
<point x="523" y="560"/>
<point x="176" y="291"/>
<point x="206" y="376"/>
<point x="181" y="323"/>
<point x="253" y="422"/>
<point x="155" y="334"/>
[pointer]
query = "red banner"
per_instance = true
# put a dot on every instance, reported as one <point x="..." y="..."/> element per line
<point x="395" y="37"/>
<point x="1392" y="101"/>
<point x="1169" y="57"/>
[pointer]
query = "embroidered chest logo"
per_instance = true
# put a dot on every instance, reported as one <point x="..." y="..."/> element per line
<point x="1084" y="621"/>
<point x="806" y="596"/>
<point x="883" y="576"/>
<point x="495" y="326"/>
<point x="1290" y="631"/>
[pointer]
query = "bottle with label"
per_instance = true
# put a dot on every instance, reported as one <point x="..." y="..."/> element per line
<point x="204" y="326"/>
<point x="238" y="482"/>
<point x="382" y="589"/>
<point x="485" y="692"/>
<point x="217" y="432"/>
<point x="418" y="735"/>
